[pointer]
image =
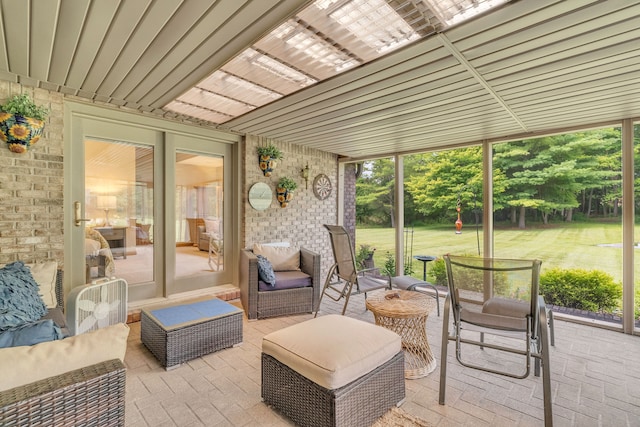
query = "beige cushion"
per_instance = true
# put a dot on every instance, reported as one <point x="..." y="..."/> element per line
<point x="332" y="350"/>
<point x="27" y="364"/>
<point x="45" y="276"/>
<point x="281" y="258"/>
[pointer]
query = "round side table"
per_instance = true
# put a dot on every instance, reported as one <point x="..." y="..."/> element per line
<point x="405" y="313"/>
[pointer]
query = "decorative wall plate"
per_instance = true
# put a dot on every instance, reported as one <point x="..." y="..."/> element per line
<point x="322" y="186"/>
<point x="260" y="196"/>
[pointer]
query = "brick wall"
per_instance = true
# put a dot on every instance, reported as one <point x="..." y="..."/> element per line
<point x="301" y="222"/>
<point x="31" y="193"/>
<point x="31" y="187"/>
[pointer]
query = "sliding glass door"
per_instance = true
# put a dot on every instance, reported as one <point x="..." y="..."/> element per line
<point x="147" y="205"/>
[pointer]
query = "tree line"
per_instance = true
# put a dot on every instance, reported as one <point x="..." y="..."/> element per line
<point x="557" y="178"/>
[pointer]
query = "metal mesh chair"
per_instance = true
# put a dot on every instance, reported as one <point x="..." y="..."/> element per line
<point x="343" y="275"/>
<point x="496" y="307"/>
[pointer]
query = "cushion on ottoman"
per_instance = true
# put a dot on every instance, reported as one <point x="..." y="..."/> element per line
<point x="332" y="350"/>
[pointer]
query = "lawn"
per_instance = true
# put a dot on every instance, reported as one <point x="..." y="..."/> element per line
<point x="567" y="245"/>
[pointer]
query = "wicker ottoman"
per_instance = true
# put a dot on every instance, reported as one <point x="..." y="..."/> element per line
<point x="332" y="371"/>
<point x="183" y="331"/>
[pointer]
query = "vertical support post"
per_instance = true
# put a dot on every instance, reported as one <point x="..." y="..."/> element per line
<point x="628" y="225"/>
<point x="399" y="213"/>
<point x="487" y="200"/>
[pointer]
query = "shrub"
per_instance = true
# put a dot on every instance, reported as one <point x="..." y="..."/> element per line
<point x="389" y="265"/>
<point x="591" y="290"/>
<point x="364" y="253"/>
<point x="437" y="272"/>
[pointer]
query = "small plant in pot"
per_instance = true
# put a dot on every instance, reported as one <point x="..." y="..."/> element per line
<point x="21" y="122"/>
<point x="268" y="155"/>
<point x="285" y="188"/>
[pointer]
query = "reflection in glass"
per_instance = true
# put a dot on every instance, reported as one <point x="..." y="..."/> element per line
<point x="198" y="215"/>
<point x="119" y="203"/>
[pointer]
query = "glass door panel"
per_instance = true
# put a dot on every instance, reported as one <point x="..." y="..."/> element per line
<point x="199" y="214"/>
<point x="119" y="200"/>
<point x="198" y="222"/>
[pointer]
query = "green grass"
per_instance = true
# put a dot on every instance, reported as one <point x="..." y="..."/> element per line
<point x="567" y="245"/>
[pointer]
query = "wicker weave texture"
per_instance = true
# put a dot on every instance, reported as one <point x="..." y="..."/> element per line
<point x="285" y="302"/>
<point x="90" y="396"/>
<point x="263" y="304"/>
<point x="174" y="347"/>
<point x="358" y="403"/>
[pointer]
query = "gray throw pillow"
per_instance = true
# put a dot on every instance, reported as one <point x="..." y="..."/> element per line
<point x="265" y="271"/>
<point x="20" y="300"/>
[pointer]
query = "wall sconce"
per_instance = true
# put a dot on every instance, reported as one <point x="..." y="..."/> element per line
<point x="305" y="175"/>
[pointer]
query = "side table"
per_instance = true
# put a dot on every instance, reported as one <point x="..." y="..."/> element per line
<point x="405" y="313"/>
<point x="179" y="332"/>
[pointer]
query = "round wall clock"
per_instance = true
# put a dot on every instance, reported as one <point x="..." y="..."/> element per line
<point x="260" y="196"/>
<point x="322" y="186"/>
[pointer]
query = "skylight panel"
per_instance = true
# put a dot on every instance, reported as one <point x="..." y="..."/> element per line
<point x="454" y="11"/>
<point x="311" y="45"/>
<point x="232" y="107"/>
<point x="373" y="21"/>
<point x="197" y="112"/>
<point x="236" y="88"/>
<point x="276" y="68"/>
<point x="324" y="39"/>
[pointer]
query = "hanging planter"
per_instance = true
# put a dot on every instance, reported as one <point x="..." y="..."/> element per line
<point x="268" y="157"/>
<point x="286" y="187"/>
<point x="21" y="122"/>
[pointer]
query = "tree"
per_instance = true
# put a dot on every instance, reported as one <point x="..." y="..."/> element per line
<point x="374" y="193"/>
<point x="441" y="178"/>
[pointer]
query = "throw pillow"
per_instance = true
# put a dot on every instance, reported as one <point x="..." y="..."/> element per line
<point x="282" y="258"/>
<point x="265" y="271"/>
<point x="30" y="334"/>
<point x="45" y="275"/>
<point x="20" y="301"/>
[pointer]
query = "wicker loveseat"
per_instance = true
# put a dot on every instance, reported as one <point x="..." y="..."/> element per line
<point x="74" y="381"/>
<point x="260" y="304"/>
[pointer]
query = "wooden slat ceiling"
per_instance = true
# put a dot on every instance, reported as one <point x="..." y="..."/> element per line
<point x="527" y="68"/>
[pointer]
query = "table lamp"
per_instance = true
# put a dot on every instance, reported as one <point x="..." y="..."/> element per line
<point x="106" y="203"/>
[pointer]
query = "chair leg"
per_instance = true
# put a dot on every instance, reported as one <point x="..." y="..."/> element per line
<point x="324" y="289"/>
<point x="346" y="297"/>
<point x="443" y="351"/>
<point x="551" y="331"/>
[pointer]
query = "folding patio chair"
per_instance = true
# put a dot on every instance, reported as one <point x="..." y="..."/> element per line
<point x="496" y="308"/>
<point x="343" y="275"/>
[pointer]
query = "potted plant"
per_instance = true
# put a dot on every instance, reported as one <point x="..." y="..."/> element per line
<point x="286" y="187"/>
<point x="21" y="122"/>
<point x="267" y="158"/>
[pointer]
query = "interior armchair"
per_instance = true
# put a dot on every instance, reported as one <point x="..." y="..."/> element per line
<point x="297" y="281"/>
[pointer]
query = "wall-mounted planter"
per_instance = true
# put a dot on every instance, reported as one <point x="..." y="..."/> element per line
<point x="284" y="196"/>
<point x="267" y="164"/>
<point x="285" y="188"/>
<point x="20" y="131"/>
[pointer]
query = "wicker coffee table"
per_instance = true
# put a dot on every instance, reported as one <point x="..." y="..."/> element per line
<point x="183" y="331"/>
<point x="406" y="312"/>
